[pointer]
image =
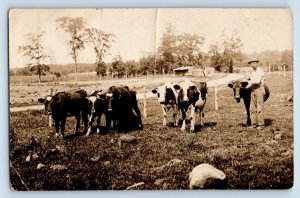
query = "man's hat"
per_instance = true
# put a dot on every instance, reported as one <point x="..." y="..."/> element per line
<point x="253" y="60"/>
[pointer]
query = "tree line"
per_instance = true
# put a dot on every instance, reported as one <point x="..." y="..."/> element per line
<point x="176" y="49"/>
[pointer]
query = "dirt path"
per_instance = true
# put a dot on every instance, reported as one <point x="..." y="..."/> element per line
<point x="222" y="82"/>
<point x="34" y="107"/>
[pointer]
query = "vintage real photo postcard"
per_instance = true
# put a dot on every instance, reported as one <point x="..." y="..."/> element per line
<point x="151" y="99"/>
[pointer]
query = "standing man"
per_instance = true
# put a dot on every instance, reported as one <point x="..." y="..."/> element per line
<point x="256" y="84"/>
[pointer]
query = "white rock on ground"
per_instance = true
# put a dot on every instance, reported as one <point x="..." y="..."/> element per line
<point x="202" y="174"/>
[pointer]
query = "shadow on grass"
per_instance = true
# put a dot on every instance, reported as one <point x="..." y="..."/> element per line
<point x="198" y="128"/>
<point x="268" y="122"/>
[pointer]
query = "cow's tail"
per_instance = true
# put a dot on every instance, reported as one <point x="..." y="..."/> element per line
<point x="267" y="93"/>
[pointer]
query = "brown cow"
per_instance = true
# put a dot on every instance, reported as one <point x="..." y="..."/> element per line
<point x="240" y="91"/>
<point x="66" y="104"/>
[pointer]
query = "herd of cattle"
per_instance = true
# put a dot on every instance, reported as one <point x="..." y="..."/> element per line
<point x="120" y="107"/>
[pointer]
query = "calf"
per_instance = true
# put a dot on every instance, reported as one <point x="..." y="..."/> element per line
<point x="98" y="106"/>
<point x="191" y="96"/>
<point x="167" y="97"/>
<point x="240" y="91"/>
<point x="65" y="104"/>
<point x="122" y="104"/>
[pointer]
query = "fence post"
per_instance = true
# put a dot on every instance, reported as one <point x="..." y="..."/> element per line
<point x="50" y="117"/>
<point x="216" y="99"/>
<point x="145" y="103"/>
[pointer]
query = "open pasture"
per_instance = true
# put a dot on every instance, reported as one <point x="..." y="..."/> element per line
<point x="160" y="157"/>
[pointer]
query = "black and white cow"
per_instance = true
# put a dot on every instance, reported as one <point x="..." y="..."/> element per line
<point x="241" y="92"/>
<point x="167" y="97"/>
<point x="194" y="97"/>
<point x="98" y="106"/>
<point x="66" y="104"/>
<point x="123" y="108"/>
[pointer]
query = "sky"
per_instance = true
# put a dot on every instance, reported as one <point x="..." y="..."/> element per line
<point x="138" y="31"/>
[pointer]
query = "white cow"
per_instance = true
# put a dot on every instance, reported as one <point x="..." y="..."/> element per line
<point x="193" y="97"/>
<point x="167" y="97"/>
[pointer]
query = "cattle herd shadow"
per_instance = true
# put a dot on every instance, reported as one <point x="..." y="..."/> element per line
<point x="198" y="128"/>
<point x="268" y="122"/>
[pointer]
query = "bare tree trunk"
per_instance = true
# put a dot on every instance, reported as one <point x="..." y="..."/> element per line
<point x="75" y="70"/>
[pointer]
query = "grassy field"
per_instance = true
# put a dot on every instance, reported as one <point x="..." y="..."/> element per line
<point x="160" y="157"/>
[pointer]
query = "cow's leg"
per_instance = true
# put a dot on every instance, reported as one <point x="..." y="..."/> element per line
<point x="98" y="122"/>
<point x="201" y="115"/>
<point x="77" y="117"/>
<point x="175" y="115"/>
<point x="91" y="120"/>
<point x="57" y="122"/>
<point x="164" y="115"/>
<point x="193" y="118"/>
<point x="183" y="111"/>
<point x="247" y="105"/>
<point x="138" y="113"/>
<point x="63" y="124"/>
<point x="107" y="120"/>
<point x="85" y="121"/>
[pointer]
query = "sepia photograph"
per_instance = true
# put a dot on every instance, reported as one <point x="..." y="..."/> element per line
<point x="151" y="99"/>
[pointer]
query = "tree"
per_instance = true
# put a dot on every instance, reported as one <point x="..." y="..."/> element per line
<point x="188" y="49"/>
<point x="215" y="57"/>
<point x="180" y="49"/>
<point x="118" y="66"/>
<point x="101" y="42"/>
<point x="167" y="50"/>
<point x="132" y="67"/>
<point x="148" y="64"/>
<point x="287" y="58"/>
<point x="34" y="50"/>
<point x="74" y="27"/>
<point x="101" y="69"/>
<point x="223" y="57"/>
<point x="232" y="45"/>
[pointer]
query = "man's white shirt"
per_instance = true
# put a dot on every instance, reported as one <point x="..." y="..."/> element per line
<point x="257" y="77"/>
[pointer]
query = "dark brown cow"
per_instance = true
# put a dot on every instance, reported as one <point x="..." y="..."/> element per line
<point x="65" y="104"/>
<point x="122" y="104"/>
<point x="240" y="91"/>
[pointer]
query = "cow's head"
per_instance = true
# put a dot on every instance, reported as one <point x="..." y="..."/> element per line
<point x="165" y="93"/>
<point x="96" y="93"/>
<point x="237" y="87"/>
<point x="47" y="102"/>
<point x="203" y="90"/>
<point x="188" y="91"/>
<point x="98" y="102"/>
<point x="111" y="96"/>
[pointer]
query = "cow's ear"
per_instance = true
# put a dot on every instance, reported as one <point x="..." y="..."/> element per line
<point x="41" y="100"/>
<point x="193" y="87"/>
<point x="102" y="96"/>
<point x="177" y="87"/>
<point x="154" y="91"/>
<point x="244" y="84"/>
<point x="230" y="84"/>
<point x="126" y="87"/>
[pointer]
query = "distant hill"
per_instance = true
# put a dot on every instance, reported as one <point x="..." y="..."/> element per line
<point x="60" y="68"/>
